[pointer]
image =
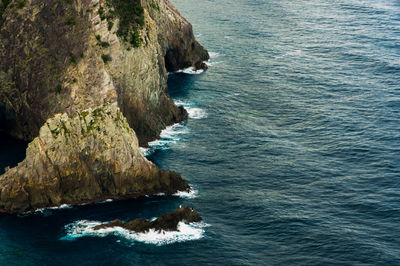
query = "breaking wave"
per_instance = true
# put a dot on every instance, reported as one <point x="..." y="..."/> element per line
<point x="176" y="132"/>
<point x="48" y="210"/>
<point x="190" y="71"/>
<point x="187" y="195"/>
<point x="85" y="228"/>
<point x="194" y="112"/>
<point x="193" y="71"/>
<point x="168" y="136"/>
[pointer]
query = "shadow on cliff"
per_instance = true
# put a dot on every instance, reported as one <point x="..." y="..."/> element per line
<point x="12" y="151"/>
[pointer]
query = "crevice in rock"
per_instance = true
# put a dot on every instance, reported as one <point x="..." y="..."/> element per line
<point x="12" y="151"/>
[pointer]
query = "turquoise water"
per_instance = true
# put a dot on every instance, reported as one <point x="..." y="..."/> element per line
<point x="292" y="147"/>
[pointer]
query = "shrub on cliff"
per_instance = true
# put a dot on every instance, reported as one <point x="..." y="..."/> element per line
<point x="131" y="18"/>
<point x="3" y="6"/>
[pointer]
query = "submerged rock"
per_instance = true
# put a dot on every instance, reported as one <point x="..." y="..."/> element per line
<point x="166" y="222"/>
<point x="88" y="157"/>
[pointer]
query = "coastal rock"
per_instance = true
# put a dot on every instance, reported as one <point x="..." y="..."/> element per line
<point x="91" y="156"/>
<point x="86" y="82"/>
<point x="66" y="56"/>
<point x="178" y="44"/>
<point x="166" y="222"/>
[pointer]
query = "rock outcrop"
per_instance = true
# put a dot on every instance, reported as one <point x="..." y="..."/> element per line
<point x="166" y="222"/>
<point x="86" y="82"/>
<point x="65" y="56"/>
<point x="88" y="157"/>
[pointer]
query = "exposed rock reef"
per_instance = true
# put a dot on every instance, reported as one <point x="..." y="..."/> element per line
<point x="86" y="82"/>
<point x="166" y="222"/>
<point x="88" y="157"/>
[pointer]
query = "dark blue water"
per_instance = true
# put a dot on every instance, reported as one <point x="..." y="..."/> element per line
<point x="293" y="145"/>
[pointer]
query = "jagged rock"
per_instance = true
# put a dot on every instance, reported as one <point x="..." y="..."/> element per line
<point x="75" y="77"/>
<point x="166" y="222"/>
<point x="200" y="65"/>
<point x="66" y="56"/>
<point x="91" y="156"/>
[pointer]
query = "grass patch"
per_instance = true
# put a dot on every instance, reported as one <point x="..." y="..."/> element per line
<point x="58" y="88"/>
<point x="106" y="58"/>
<point x="131" y="19"/>
<point x="135" y="38"/>
<point x="21" y="4"/>
<point x="3" y="8"/>
<point x="70" y="20"/>
<point x="72" y="58"/>
<point x="104" y="44"/>
<point x="110" y="25"/>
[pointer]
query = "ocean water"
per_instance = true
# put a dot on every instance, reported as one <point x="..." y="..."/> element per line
<point x="292" y="147"/>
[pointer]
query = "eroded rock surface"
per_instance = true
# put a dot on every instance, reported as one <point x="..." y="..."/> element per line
<point x="79" y="78"/>
<point x="88" y="157"/>
<point x="65" y="56"/>
<point x="166" y="222"/>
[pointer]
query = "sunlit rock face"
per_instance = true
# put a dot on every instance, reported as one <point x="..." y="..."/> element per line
<point x="65" y="56"/>
<point x="88" y="157"/>
<point x="60" y="61"/>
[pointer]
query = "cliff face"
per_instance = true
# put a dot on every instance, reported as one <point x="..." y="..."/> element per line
<point x="88" y="157"/>
<point x="64" y="56"/>
<point x="76" y="56"/>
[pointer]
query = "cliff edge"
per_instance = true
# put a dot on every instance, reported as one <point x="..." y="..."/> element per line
<point x="64" y="63"/>
<point x="65" y="56"/>
<point x="88" y="157"/>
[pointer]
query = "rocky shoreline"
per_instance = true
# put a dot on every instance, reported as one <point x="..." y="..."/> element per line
<point x="86" y="82"/>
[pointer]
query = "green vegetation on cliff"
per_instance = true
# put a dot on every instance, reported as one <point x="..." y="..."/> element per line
<point x="3" y="6"/>
<point x="131" y="18"/>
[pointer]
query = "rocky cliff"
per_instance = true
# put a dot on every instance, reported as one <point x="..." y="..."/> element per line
<point x="88" y="157"/>
<point x="72" y="57"/>
<point x="64" y="56"/>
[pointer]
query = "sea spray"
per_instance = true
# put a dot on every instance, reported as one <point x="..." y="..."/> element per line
<point x="85" y="228"/>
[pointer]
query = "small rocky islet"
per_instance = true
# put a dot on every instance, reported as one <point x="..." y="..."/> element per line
<point x="85" y="82"/>
<point x="166" y="222"/>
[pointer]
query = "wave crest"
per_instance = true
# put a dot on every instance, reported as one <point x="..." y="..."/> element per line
<point x="194" y="112"/>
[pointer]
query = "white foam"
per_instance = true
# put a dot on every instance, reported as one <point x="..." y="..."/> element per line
<point x="194" y="112"/>
<point x="173" y="132"/>
<point x="211" y="62"/>
<point x="168" y="136"/>
<point x="63" y="206"/>
<point x="213" y="55"/>
<point x="145" y="151"/>
<point x="105" y="201"/>
<point x="190" y="71"/>
<point x="186" y="232"/>
<point x="187" y="195"/>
